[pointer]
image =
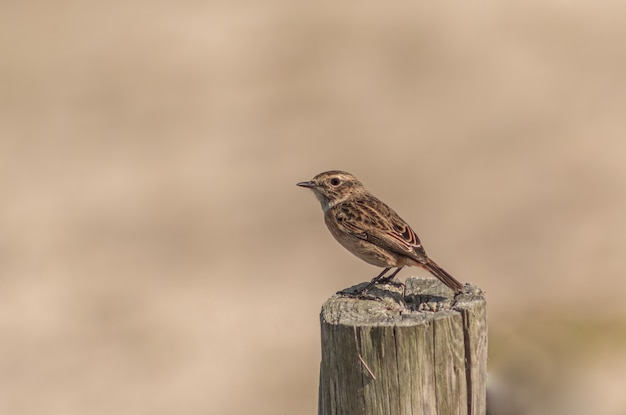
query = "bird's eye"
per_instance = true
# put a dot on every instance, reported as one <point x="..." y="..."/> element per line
<point x="334" y="181"/>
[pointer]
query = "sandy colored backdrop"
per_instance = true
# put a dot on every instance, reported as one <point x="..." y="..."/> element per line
<point x="156" y="256"/>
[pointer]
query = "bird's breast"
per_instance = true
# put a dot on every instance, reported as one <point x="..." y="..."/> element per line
<point x="363" y="249"/>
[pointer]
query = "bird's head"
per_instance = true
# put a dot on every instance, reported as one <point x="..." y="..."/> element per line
<point x="333" y="187"/>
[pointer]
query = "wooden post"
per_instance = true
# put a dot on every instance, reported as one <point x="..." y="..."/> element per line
<point x="424" y="354"/>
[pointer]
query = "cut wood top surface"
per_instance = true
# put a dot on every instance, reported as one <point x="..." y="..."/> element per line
<point x="425" y="299"/>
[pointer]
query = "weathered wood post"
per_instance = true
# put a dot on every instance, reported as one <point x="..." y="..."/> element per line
<point x="426" y="354"/>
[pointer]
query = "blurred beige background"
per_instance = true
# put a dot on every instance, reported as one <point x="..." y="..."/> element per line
<point x="156" y="256"/>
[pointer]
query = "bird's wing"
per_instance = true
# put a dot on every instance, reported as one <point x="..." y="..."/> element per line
<point x="373" y="221"/>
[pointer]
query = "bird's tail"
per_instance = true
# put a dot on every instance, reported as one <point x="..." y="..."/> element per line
<point x="442" y="275"/>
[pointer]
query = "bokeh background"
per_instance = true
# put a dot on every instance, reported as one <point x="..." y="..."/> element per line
<point x="156" y="256"/>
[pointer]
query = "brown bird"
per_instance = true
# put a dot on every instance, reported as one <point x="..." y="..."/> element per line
<point x="370" y="229"/>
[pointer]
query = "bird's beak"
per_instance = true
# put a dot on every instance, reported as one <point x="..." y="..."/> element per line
<point x="308" y="185"/>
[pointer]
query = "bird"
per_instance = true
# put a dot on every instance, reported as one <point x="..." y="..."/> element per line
<point x="370" y="229"/>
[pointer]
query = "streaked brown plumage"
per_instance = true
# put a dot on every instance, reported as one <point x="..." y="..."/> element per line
<point x="370" y="229"/>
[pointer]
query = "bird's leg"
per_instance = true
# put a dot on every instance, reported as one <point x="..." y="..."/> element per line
<point x="361" y="293"/>
<point x="377" y="279"/>
<point x="389" y="279"/>
<point x="380" y="278"/>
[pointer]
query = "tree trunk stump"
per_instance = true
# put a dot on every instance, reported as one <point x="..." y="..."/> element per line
<point x="422" y="354"/>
